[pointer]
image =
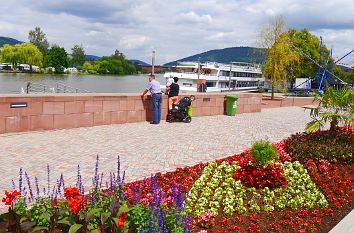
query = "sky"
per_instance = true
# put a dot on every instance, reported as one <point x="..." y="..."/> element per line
<point x="173" y="28"/>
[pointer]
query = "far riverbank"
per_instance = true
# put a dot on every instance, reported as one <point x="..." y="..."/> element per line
<point x="13" y="82"/>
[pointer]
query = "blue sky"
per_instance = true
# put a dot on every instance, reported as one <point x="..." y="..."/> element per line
<point x="174" y="28"/>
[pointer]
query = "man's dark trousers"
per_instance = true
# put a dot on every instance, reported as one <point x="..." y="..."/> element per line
<point x="156" y="107"/>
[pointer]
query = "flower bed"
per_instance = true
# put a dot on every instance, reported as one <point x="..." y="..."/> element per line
<point x="335" y="145"/>
<point x="235" y="194"/>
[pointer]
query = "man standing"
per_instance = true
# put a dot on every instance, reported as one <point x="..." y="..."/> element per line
<point x="156" y="98"/>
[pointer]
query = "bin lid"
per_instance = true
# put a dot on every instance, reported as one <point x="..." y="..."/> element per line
<point x="232" y="97"/>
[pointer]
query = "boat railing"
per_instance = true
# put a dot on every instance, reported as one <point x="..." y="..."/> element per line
<point x="33" y="87"/>
<point x="62" y="88"/>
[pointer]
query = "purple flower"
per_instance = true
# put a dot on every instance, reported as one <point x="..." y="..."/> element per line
<point x="101" y="180"/>
<point x="118" y="169"/>
<point x="78" y="176"/>
<point x="96" y="177"/>
<point x="37" y="186"/>
<point x="13" y="184"/>
<point x="29" y="185"/>
<point x="20" y="181"/>
<point x="48" y="179"/>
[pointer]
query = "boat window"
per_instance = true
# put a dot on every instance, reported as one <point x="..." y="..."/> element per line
<point x="211" y="84"/>
<point x="187" y="84"/>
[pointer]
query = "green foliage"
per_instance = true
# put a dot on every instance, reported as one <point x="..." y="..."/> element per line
<point x="278" y="59"/>
<point x="139" y="217"/>
<point x="335" y="106"/>
<point x="57" y="58"/>
<point x="309" y="44"/>
<point x="263" y="152"/>
<point x="115" y="64"/>
<point x="39" y="39"/>
<point x="25" y="53"/>
<point x="90" y="68"/>
<point x="78" y="56"/>
<point x="332" y="145"/>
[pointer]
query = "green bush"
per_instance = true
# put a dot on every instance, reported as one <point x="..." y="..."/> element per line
<point x="333" y="145"/>
<point x="263" y="152"/>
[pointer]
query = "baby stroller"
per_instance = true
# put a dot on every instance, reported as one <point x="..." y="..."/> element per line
<point x="182" y="111"/>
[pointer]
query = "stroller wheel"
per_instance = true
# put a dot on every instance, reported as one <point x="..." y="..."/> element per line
<point x="188" y="119"/>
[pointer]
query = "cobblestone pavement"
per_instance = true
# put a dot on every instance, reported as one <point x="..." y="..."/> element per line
<point x="143" y="148"/>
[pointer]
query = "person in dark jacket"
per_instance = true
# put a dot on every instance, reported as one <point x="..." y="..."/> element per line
<point x="173" y="91"/>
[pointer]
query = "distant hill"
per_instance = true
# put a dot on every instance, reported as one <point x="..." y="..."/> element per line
<point x="227" y="55"/>
<point x="140" y="63"/>
<point x="92" y="57"/>
<point x="344" y="67"/>
<point x="8" y="40"/>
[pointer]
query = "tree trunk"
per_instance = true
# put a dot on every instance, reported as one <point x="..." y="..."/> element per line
<point x="334" y="123"/>
<point x="273" y="88"/>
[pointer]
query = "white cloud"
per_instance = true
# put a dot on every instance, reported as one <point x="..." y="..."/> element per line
<point x="192" y="17"/>
<point x="133" y="41"/>
<point x="174" y="28"/>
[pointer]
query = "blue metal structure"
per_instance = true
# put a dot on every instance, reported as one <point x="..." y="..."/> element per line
<point x="327" y="73"/>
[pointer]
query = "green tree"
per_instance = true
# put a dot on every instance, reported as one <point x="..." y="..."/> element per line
<point x="309" y="44"/>
<point x="278" y="60"/>
<point x="279" y="53"/>
<point x="58" y="58"/>
<point x="78" y="56"/>
<point x="25" y="53"/>
<point x="39" y="39"/>
<point x="335" y="106"/>
<point x="9" y="54"/>
<point x="29" y="54"/>
<point x="90" y="68"/>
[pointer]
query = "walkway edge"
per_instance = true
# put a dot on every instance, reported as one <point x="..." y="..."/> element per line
<point x="346" y="225"/>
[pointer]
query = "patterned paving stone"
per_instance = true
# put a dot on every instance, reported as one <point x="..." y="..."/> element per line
<point x="144" y="149"/>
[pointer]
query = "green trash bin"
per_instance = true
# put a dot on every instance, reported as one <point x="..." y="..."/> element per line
<point x="231" y="105"/>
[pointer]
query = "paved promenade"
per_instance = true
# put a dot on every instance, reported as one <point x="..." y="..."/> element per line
<point x="143" y="148"/>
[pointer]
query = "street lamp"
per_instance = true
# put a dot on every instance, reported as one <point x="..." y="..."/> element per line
<point x="153" y="63"/>
<point x="230" y="77"/>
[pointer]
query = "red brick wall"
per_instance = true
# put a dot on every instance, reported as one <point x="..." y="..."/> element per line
<point x="286" y="102"/>
<point x="62" y="111"/>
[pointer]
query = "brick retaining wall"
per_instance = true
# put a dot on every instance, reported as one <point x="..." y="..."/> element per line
<point x="278" y="102"/>
<point x="62" y="111"/>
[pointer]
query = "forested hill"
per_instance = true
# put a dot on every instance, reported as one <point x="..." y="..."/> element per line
<point x="8" y="40"/>
<point x="227" y="55"/>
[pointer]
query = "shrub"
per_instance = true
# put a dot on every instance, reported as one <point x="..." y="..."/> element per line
<point x="333" y="145"/>
<point x="263" y="152"/>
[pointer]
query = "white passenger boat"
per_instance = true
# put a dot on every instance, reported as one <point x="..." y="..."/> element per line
<point x="216" y="76"/>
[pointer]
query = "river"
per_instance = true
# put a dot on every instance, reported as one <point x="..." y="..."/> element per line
<point x="12" y="83"/>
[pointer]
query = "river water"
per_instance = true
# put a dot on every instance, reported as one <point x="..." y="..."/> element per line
<point x="12" y="83"/>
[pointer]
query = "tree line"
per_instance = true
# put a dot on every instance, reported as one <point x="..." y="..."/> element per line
<point x="283" y="62"/>
<point x="38" y="52"/>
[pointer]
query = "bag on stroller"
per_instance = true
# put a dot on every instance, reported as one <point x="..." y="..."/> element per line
<point x="182" y="110"/>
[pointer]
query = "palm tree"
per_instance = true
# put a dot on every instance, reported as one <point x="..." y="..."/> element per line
<point x="335" y="106"/>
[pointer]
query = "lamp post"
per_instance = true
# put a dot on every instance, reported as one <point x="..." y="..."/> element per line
<point x="230" y="77"/>
<point x="198" y="83"/>
<point x="153" y="63"/>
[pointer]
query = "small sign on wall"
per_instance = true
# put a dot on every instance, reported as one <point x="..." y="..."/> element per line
<point x="18" y="105"/>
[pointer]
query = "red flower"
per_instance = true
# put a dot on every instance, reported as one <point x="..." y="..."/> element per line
<point x="71" y="192"/>
<point x="74" y="199"/>
<point x="54" y="202"/>
<point x="121" y="219"/>
<point x="10" y="197"/>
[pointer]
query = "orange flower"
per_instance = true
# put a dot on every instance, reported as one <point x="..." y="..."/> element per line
<point x="74" y="199"/>
<point x="121" y="219"/>
<point x="10" y="197"/>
